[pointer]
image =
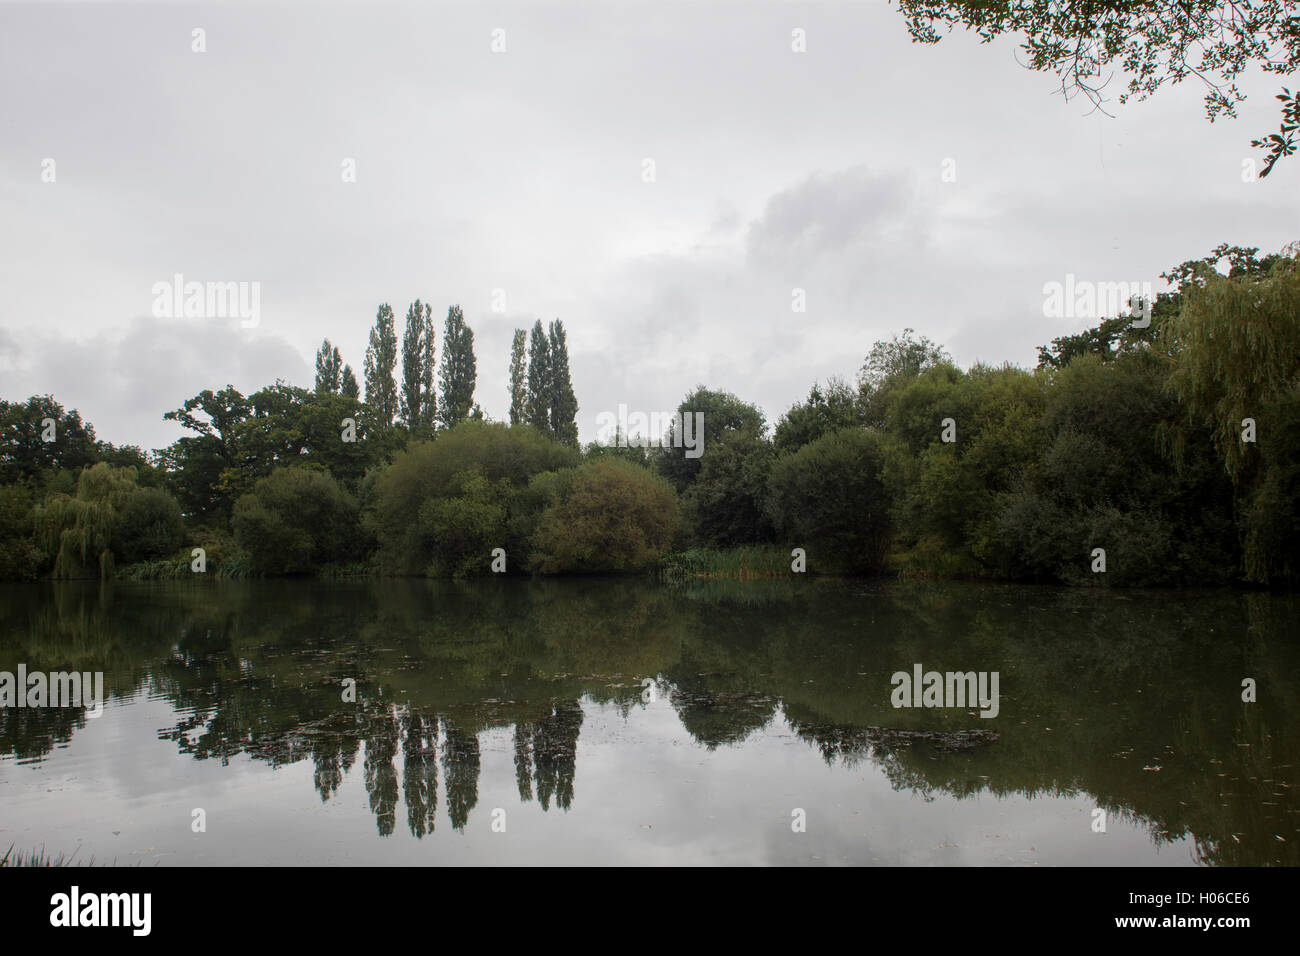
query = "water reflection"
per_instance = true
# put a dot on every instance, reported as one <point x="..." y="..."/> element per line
<point x="1131" y="698"/>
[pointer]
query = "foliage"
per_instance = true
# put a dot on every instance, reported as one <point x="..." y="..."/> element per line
<point x="428" y="470"/>
<point x="381" y="364"/>
<point x="828" y="498"/>
<point x="723" y="414"/>
<point x="296" y="519"/>
<point x="1152" y="41"/>
<point x="825" y="410"/>
<point x="563" y="404"/>
<point x="20" y="558"/>
<point x="518" y="378"/>
<point x="458" y="373"/>
<point x="539" y="379"/>
<point x="148" y="526"/>
<point x="614" y="516"/>
<point x="24" y="453"/>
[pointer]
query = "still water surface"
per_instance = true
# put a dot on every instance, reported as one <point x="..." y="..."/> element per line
<point x="625" y="722"/>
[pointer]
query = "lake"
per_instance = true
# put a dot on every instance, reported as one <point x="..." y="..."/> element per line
<point x="608" y="720"/>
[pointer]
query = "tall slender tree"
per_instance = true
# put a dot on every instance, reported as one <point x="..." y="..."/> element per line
<point x="518" y="378"/>
<point x="349" y="388"/>
<point x="563" y="403"/>
<point x="329" y="368"/>
<point x="381" y="362"/>
<point x="417" y="375"/>
<point x="458" y="372"/>
<point x="539" y="379"/>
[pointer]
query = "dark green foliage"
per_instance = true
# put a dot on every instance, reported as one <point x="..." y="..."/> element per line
<point x="828" y="498"/>
<point x="349" y="388"/>
<point x="518" y="378"/>
<point x="430" y="470"/>
<point x="296" y="520"/>
<point x="149" y="525"/>
<point x="825" y="410"/>
<point x="418" y="400"/>
<point x="20" y="558"/>
<point x="539" y="379"/>
<point x="24" y="426"/>
<point x="329" y="368"/>
<point x="459" y="371"/>
<point x="724" y="504"/>
<point x="381" y="365"/>
<point x="1104" y="482"/>
<point x="724" y="414"/>
<point x="563" y="404"/>
<point x="889" y="366"/>
<point x="614" y="516"/>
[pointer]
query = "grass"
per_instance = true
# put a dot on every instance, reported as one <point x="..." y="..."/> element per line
<point x="39" y="857"/>
<point x="741" y="563"/>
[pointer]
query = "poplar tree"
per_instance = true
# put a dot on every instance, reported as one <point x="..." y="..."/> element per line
<point x="381" y="362"/>
<point x="329" y="368"/>
<point x="458" y="372"/>
<point x="417" y="371"/>
<point x="563" y="403"/>
<point x="539" y="379"/>
<point x="518" y="378"/>
<point x="349" y="388"/>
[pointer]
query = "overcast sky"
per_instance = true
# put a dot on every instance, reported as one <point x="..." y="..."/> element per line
<point x="523" y="171"/>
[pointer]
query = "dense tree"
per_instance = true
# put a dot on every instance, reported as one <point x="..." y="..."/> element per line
<point x="329" y="368"/>
<point x="563" y="404"/>
<point x="889" y="366"/>
<point x="724" y="504"/>
<point x="539" y="379"/>
<point x="828" y="498"/>
<point x="78" y="529"/>
<point x="20" y="558"/>
<point x="428" y="470"/>
<point x="723" y="414"/>
<point x="459" y="372"/>
<point x="148" y="526"/>
<point x="349" y="388"/>
<point x="1154" y="42"/>
<point x="825" y="410"/>
<point x="296" y="519"/>
<point x="199" y="465"/>
<point x="37" y="436"/>
<point x="381" y="364"/>
<point x="419" y="402"/>
<point x="518" y="378"/>
<point x="1235" y="353"/>
<point x="577" y="533"/>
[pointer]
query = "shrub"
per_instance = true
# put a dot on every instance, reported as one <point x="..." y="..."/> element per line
<point x="828" y="498"/>
<point x="294" y="520"/>
<point x="615" y="516"/>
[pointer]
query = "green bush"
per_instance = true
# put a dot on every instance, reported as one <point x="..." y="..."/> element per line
<point x="149" y="525"/>
<point x="828" y="498"/>
<point x="426" y="471"/>
<point x="20" y="558"/>
<point x="615" y="516"/>
<point x="296" y="520"/>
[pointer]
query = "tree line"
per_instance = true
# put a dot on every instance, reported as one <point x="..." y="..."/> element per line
<point x="1136" y="453"/>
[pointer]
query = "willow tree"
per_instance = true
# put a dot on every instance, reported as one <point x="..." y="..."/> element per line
<point x="1235" y="354"/>
<point x="78" y="528"/>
